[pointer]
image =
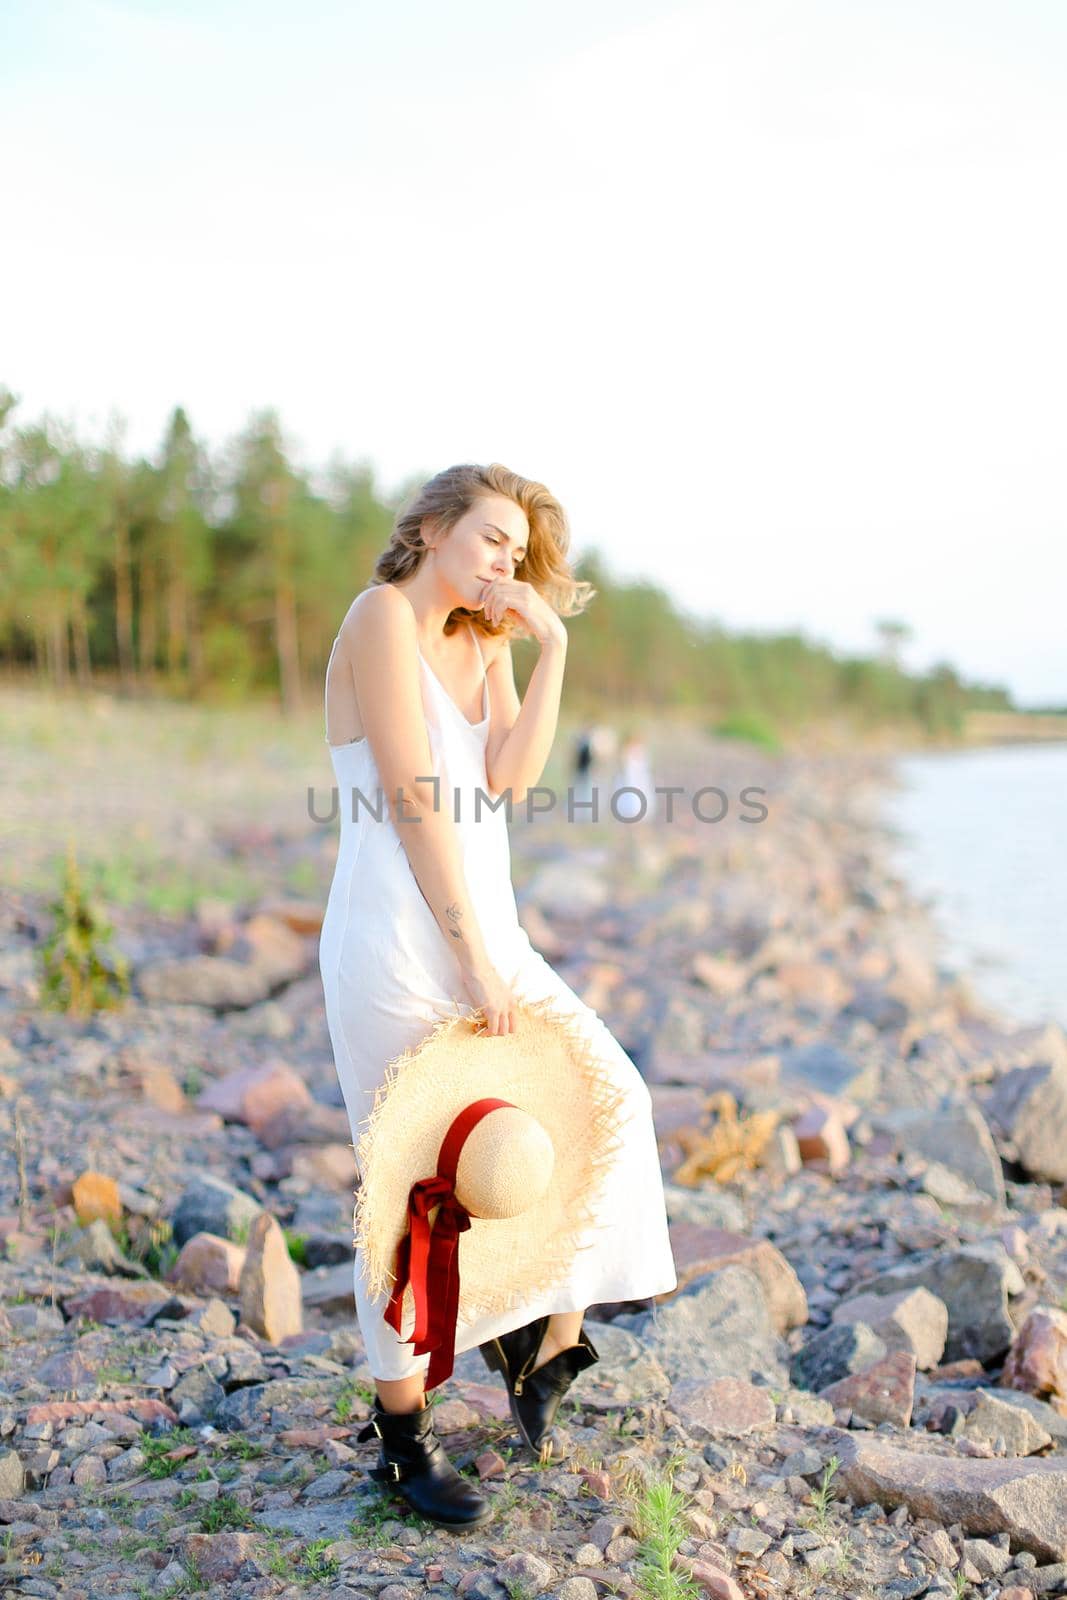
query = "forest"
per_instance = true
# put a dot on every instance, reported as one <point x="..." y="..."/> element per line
<point x="223" y="575"/>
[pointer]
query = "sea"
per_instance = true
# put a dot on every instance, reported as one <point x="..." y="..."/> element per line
<point x="981" y="836"/>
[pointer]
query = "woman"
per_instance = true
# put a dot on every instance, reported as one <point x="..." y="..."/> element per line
<point x="422" y="712"/>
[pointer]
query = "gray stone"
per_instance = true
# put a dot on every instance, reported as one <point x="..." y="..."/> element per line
<point x="874" y="1004"/>
<point x="718" y="1327"/>
<point x="831" y="1071"/>
<point x="212" y="981"/>
<point x="1047" y="1417"/>
<point x="957" y="1136"/>
<point x="1026" y="1499"/>
<point x="710" y="1207"/>
<point x="626" y="1366"/>
<point x="803" y="1463"/>
<point x="196" y="1397"/>
<point x="989" y="1559"/>
<point x="1047" y="1580"/>
<point x="835" y="1353"/>
<point x="336" y="1481"/>
<point x="533" y="1572"/>
<point x="211" y="1205"/>
<point x="1029" y="1106"/>
<point x="577" y="1589"/>
<point x="992" y="1419"/>
<point x="974" y="1281"/>
<point x="330" y="1290"/>
<point x="912" y="1320"/>
<point x="12" y="1475"/>
<point x="98" y="1250"/>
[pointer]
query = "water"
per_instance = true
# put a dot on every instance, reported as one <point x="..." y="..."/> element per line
<point x="984" y="835"/>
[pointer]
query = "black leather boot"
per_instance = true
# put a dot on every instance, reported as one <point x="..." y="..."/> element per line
<point x="534" y="1394"/>
<point x="413" y="1462"/>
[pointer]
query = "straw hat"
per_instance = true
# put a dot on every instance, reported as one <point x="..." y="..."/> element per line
<point x="502" y="1139"/>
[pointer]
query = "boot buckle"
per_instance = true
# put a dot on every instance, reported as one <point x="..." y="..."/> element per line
<point x="394" y="1467"/>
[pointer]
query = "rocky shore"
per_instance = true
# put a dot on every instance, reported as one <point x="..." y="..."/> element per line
<point x="859" y="1387"/>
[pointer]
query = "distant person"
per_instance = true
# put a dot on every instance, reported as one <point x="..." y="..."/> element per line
<point x="633" y="773"/>
<point x="582" y="778"/>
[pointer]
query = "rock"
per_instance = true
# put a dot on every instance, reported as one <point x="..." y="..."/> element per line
<point x="577" y="1589"/>
<point x="821" y="1136"/>
<point x="96" y="1197"/>
<point x="884" y="1392"/>
<point x="781" y="1154"/>
<point x="718" y="1327"/>
<point x="1029" y="1107"/>
<point x="627" y="1370"/>
<point x="270" y="1283"/>
<point x="992" y="1419"/>
<point x="326" y="1166"/>
<point x="874" y="1003"/>
<point x="197" y="1397"/>
<point x="1037" y="1360"/>
<point x="815" y="985"/>
<point x="1026" y="1499"/>
<point x="139" y="1303"/>
<point x="831" y="1071"/>
<point x="835" y="1353"/>
<point x="12" y="1475"/>
<point x="725" y="1407"/>
<point x="940" y="1549"/>
<point x="316" y="1124"/>
<point x="531" y="1571"/>
<point x="215" y="982"/>
<point x="713" y="1580"/>
<point x="219" y="1557"/>
<point x="208" y="1264"/>
<point x="253" y="1095"/>
<point x="912" y="1319"/>
<point x="98" y="1250"/>
<point x="698" y="1250"/>
<point x="721" y="975"/>
<point x="330" y="1290"/>
<point x="216" y="1320"/>
<point x="974" y="1282"/>
<point x="988" y="1560"/>
<point x="1050" y="1420"/>
<point x="565" y="890"/>
<point x="709" y="1207"/>
<point x="301" y="916"/>
<point x="958" y="1136"/>
<point x="211" y="1205"/>
<point x="161" y="1088"/>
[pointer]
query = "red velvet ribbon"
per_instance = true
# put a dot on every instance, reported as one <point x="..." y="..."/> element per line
<point x="428" y="1258"/>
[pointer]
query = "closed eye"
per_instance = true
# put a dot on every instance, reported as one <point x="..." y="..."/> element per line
<point x="518" y="559"/>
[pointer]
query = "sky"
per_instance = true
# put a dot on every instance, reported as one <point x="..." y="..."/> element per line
<point x="769" y="294"/>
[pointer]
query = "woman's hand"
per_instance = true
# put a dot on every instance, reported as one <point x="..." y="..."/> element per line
<point x="489" y="993"/>
<point x="503" y="597"/>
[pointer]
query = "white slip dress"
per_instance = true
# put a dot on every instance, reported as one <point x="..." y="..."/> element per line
<point x="388" y="974"/>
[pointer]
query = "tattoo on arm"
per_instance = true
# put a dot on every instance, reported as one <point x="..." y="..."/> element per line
<point x="454" y="914"/>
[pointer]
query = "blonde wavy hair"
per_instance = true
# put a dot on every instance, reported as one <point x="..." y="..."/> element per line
<point x="447" y="497"/>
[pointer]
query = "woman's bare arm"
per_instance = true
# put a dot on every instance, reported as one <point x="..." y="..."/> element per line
<point x="380" y="637"/>
<point x="521" y="733"/>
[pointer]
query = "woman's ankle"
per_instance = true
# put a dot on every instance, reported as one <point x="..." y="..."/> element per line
<point x="401" y="1397"/>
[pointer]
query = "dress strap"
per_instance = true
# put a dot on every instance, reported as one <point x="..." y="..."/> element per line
<point x="481" y="657"/>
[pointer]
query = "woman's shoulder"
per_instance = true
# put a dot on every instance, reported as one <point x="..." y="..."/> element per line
<point x="380" y="598"/>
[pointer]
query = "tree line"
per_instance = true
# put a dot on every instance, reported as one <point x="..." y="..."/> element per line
<point x="224" y="575"/>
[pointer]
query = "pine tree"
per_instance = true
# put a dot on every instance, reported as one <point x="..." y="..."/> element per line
<point x="79" y="974"/>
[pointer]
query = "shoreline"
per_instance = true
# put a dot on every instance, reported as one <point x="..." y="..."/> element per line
<point x="786" y="971"/>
